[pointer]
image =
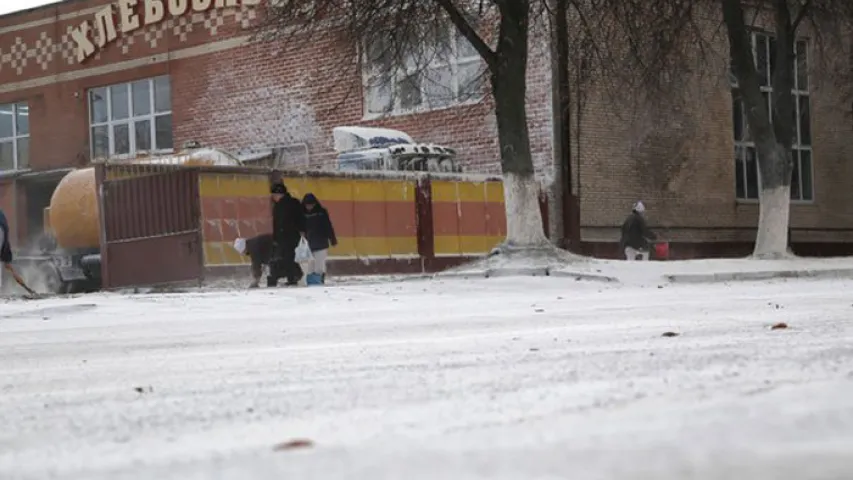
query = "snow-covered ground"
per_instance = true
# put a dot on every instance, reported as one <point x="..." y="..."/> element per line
<point x="502" y="378"/>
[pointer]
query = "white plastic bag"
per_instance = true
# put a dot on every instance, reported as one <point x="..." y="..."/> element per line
<point x="303" y="251"/>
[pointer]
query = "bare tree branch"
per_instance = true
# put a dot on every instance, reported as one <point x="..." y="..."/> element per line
<point x="470" y="34"/>
<point x="801" y="14"/>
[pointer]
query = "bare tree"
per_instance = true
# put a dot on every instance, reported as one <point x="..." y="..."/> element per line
<point x="656" y="48"/>
<point x="409" y="34"/>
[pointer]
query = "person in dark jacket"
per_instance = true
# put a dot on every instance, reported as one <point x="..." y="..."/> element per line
<point x="320" y="234"/>
<point x="288" y="227"/>
<point x="5" y="246"/>
<point x="636" y="234"/>
<point x="259" y="249"/>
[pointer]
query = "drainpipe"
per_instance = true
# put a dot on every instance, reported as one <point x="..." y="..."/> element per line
<point x="563" y="231"/>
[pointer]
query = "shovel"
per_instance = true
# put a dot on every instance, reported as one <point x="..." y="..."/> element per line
<point x="21" y="281"/>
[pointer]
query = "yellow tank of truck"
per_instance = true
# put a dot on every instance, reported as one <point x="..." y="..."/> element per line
<point x="74" y="211"/>
<point x="73" y="215"/>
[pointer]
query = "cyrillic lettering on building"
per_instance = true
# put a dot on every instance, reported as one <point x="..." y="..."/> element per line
<point x="85" y="47"/>
<point x="178" y="7"/>
<point x="154" y="11"/>
<point x="127" y="15"/>
<point x="131" y="17"/>
<point x="105" y="26"/>
<point x="202" y="5"/>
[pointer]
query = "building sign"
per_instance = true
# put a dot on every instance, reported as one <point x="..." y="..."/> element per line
<point x="130" y="15"/>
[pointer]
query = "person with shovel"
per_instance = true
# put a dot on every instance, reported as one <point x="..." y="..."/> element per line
<point x="6" y="254"/>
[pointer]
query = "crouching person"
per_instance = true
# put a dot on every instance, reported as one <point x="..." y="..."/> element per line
<point x="320" y="235"/>
<point x="636" y="235"/>
<point x="260" y="250"/>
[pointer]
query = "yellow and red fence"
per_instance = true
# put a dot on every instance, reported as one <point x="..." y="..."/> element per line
<point x="384" y="223"/>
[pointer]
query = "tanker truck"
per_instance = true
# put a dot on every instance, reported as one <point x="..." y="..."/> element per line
<point x="69" y="259"/>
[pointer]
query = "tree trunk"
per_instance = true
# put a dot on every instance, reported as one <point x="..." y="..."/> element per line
<point x="561" y="191"/>
<point x="509" y="87"/>
<point x="772" y="138"/>
<point x="524" y="226"/>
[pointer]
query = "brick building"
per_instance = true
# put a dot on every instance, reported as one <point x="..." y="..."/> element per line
<point x="186" y="70"/>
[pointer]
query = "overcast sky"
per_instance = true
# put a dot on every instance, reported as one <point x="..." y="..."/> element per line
<point x="9" y="6"/>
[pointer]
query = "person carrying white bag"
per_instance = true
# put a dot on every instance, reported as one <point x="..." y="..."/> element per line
<point x="319" y="237"/>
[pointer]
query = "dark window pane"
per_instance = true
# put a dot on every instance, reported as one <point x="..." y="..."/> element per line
<point x="768" y="104"/>
<point x="162" y="94"/>
<point x="410" y="92"/>
<point x="98" y="105"/>
<point x="740" y="174"/>
<point x="24" y="152"/>
<point x="464" y="49"/>
<point x="802" y="66"/>
<point x="7" y="156"/>
<point x="141" y="92"/>
<point x="751" y="174"/>
<point x="806" y="175"/>
<point x="437" y="86"/>
<point x="762" y="61"/>
<point x="7" y="120"/>
<point x="100" y="142"/>
<point x="121" y="139"/>
<point x="163" y="132"/>
<point x="379" y="96"/>
<point x="471" y="81"/>
<point x="771" y="55"/>
<point x="143" y="135"/>
<point x="119" y="107"/>
<point x="805" y="121"/>
<point x="379" y="56"/>
<point x="737" y="116"/>
<point x="22" y="119"/>
<point x="795" y="176"/>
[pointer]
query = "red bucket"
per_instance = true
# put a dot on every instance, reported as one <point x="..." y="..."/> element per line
<point x="662" y="251"/>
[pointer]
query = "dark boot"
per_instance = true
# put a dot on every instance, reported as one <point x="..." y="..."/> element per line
<point x="272" y="282"/>
<point x="323" y="278"/>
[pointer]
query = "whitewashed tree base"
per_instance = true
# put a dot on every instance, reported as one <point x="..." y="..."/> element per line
<point x="771" y="242"/>
<point x="524" y="227"/>
<point x="512" y="260"/>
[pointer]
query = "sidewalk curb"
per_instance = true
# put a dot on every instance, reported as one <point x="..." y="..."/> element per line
<point x="594" y="277"/>
<point x="758" y="275"/>
<point x="527" y="272"/>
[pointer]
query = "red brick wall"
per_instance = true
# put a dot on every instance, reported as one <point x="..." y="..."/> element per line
<point x="295" y="92"/>
<point x="248" y="96"/>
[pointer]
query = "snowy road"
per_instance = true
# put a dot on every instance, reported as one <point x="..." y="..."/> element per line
<point x="525" y="378"/>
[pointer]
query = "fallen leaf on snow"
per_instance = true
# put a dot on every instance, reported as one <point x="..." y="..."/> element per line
<point x="669" y="334"/>
<point x="779" y="326"/>
<point x="294" y="445"/>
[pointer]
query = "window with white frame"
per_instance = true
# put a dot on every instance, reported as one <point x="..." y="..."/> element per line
<point x="748" y="181"/>
<point x="438" y="73"/>
<point x="131" y="118"/>
<point x="14" y="136"/>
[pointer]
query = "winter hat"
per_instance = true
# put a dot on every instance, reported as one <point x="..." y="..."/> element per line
<point x="309" y="199"/>
<point x="278" y="188"/>
<point x="240" y="245"/>
<point x="639" y="207"/>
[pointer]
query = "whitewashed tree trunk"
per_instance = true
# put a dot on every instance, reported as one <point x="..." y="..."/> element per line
<point x="523" y="219"/>
<point x="774" y="211"/>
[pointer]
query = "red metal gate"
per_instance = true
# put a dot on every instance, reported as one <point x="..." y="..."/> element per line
<point x="150" y="225"/>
